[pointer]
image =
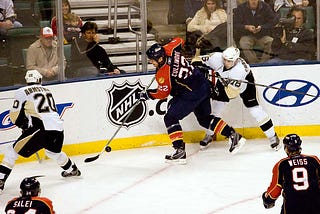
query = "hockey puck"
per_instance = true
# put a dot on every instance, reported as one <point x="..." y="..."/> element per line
<point x="108" y="149"/>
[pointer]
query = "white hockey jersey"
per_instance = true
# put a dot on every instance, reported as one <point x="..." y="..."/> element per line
<point x="238" y="72"/>
<point x="36" y="102"/>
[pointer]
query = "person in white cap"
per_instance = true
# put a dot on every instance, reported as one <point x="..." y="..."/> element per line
<point x="35" y="113"/>
<point x="42" y="55"/>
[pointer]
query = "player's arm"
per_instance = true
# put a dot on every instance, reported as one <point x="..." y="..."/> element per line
<point x="17" y="114"/>
<point x="274" y="190"/>
<point x="164" y="84"/>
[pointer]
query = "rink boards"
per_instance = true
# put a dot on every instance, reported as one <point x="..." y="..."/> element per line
<point x="93" y="110"/>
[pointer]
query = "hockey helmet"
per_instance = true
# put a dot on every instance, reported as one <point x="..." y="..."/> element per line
<point x="30" y="186"/>
<point x="155" y="52"/>
<point x="292" y="142"/>
<point x="33" y="76"/>
<point x="231" y="54"/>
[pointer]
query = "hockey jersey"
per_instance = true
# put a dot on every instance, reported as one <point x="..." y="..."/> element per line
<point x="176" y="76"/>
<point x="298" y="178"/>
<point x="234" y="76"/>
<point x="34" y="106"/>
<point x="36" y="205"/>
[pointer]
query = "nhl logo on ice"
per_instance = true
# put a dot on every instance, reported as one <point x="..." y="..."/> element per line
<point x="121" y="99"/>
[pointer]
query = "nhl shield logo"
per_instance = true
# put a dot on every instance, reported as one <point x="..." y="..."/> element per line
<point x="121" y="100"/>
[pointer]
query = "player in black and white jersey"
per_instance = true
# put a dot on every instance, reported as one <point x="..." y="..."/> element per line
<point x="34" y="111"/>
<point x="297" y="178"/>
<point x="230" y="76"/>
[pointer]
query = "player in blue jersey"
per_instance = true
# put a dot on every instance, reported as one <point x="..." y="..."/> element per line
<point x="297" y="177"/>
<point x="190" y="92"/>
<point x="30" y="200"/>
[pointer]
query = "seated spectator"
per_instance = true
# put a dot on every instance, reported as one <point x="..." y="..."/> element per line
<point x="71" y="23"/>
<point x="88" y="58"/>
<point x="207" y="26"/>
<point x="42" y="55"/>
<point x="293" y="42"/>
<point x="253" y="23"/>
<point x="7" y="17"/>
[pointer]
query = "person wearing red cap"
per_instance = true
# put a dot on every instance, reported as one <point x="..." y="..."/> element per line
<point x="42" y="55"/>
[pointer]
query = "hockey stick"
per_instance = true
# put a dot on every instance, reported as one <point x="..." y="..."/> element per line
<point x="6" y="98"/>
<point x="107" y="148"/>
<point x="266" y="86"/>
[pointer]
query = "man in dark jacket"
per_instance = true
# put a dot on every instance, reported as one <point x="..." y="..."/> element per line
<point x="293" y="43"/>
<point x="253" y="22"/>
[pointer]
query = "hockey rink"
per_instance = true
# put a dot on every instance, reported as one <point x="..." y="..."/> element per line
<point x="139" y="181"/>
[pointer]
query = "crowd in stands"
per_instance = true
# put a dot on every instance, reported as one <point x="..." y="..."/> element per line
<point x="260" y="31"/>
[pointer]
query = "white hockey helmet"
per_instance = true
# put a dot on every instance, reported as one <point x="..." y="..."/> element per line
<point x="231" y="54"/>
<point x="33" y="76"/>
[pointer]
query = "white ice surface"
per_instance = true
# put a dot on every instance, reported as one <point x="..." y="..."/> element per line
<point x="139" y="181"/>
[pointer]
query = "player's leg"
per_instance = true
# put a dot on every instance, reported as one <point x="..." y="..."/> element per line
<point x="7" y="164"/>
<point x="249" y="98"/>
<point x="175" y="113"/>
<point x="53" y="148"/>
<point x="23" y="146"/>
<point x="216" y="109"/>
<point x="218" y="126"/>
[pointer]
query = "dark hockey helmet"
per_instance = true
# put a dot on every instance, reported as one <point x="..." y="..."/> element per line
<point x="155" y="52"/>
<point x="292" y="142"/>
<point x="30" y="186"/>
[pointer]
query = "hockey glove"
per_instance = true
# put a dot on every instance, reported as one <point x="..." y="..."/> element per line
<point x="143" y="95"/>
<point x="267" y="201"/>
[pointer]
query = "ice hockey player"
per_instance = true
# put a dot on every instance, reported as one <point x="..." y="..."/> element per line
<point x="30" y="200"/>
<point x="190" y="92"/>
<point x="231" y="77"/>
<point x="297" y="177"/>
<point x="34" y="111"/>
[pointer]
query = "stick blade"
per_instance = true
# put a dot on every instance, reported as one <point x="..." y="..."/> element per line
<point x="87" y="160"/>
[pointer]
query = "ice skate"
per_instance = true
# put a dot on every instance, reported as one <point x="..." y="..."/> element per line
<point x="75" y="172"/>
<point x="178" y="156"/>
<point x="275" y="142"/>
<point x="206" y="141"/>
<point x="236" y="141"/>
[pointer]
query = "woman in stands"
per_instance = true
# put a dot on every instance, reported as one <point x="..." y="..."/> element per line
<point x="72" y="23"/>
<point x="206" y="26"/>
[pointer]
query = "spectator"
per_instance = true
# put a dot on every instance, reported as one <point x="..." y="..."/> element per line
<point x="42" y="55"/>
<point x="297" y="177"/>
<point x="88" y="58"/>
<point x="206" y="26"/>
<point x="293" y="42"/>
<point x="253" y="23"/>
<point x="71" y="23"/>
<point x="35" y="113"/>
<point x="7" y="17"/>
<point x="30" y="199"/>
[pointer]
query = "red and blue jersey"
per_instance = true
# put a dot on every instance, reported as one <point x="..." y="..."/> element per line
<point x="177" y="75"/>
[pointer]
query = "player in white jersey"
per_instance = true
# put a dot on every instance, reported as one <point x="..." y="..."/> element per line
<point x="34" y="111"/>
<point x="231" y="77"/>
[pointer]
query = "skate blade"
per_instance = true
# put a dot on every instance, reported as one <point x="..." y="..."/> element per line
<point x="177" y="161"/>
<point x="277" y="148"/>
<point x="202" y="148"/>
<point x="241" y="142"/>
